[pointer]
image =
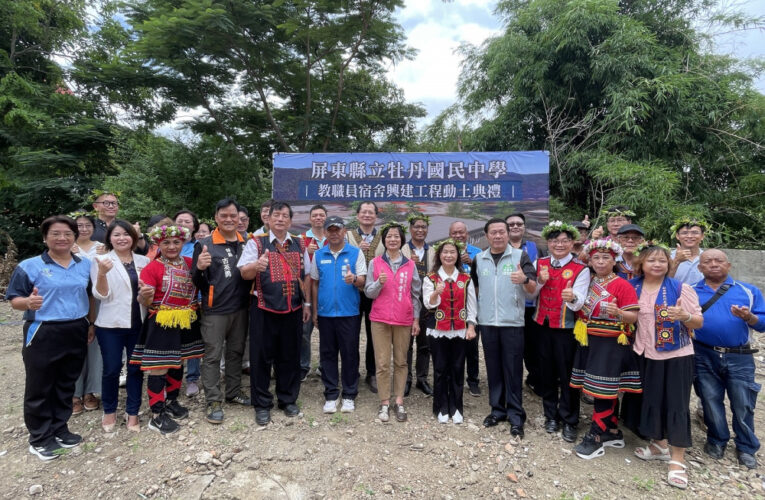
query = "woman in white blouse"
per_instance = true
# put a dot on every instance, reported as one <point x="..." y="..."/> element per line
<point x="451" y="294"/>
<point x="120" y="317"/>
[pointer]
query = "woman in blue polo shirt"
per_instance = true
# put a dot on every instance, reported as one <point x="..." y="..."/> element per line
<point x="52" y="290"/>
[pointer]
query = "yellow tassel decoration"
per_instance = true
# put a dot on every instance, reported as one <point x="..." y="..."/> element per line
<point x="623" y="340"/>
<point x="172" y="318"/>
<point x="580" y="332"/>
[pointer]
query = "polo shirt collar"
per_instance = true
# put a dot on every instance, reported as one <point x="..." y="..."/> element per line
<point x="49" y="260"/>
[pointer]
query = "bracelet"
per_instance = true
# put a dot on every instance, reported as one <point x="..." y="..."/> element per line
<point x="307" y="304"/>
<point x="690" y="317"/>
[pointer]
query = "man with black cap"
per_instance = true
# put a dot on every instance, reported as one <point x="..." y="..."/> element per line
<point x="629" y="237"/>
<point x="338" y="272"/>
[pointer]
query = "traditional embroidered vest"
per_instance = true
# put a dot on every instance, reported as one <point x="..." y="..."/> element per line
<point x="370" y="253"/>
<point x="550" y="305"/>
<point x="623" y="271"/>
<point x="394" y="304"/>
<point x="279" y="285"/>
<point x="669" y="335"/>
<point x="451" y="313"/>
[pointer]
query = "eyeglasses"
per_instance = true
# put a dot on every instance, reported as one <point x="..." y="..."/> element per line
<point x="689" y="233"/>
<point x="109" y="203"/>
<point x="630" y="237"/>
<point x="560" y="241"/>
<point x="84" y="226"/>
<point x="515" y="224"/>
<point x="420" y="228"/>
<point x="56" y="234"/>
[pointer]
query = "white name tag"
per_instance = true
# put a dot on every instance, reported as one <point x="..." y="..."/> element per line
<point x="326" y="261"/>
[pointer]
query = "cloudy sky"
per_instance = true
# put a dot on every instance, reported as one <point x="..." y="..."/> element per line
<point x="436" y="29"/>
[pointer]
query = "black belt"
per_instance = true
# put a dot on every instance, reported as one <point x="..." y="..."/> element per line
<point x="742" y="349"/>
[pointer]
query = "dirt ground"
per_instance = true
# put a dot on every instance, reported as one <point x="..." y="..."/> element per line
<point x="339" y="456"/>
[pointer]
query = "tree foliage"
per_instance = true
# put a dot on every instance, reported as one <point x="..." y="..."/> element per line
<point x="630" y="106"/>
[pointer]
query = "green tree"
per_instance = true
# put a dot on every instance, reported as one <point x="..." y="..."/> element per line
<point x="630" y="105"/>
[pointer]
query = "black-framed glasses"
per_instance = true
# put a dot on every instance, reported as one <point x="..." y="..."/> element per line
<point x="109" y="203"/>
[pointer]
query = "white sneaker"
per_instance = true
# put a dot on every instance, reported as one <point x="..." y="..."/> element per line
<point x="443" y="419"/>
<point x="383" y="413"/>
<point x="330" y="406"/>
<point x="457" y="418"/>
<point x="123" y="377"/>
<point x="349" y="406"/>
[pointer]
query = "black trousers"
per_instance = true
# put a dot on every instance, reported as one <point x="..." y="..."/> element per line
<point x="557" y="347"/>
<point x="472" y="359"/>
<point x="274" y="341"/>
<point x="53" y="360"/>
<point x="531" y="350"/>
<point x="448" y="374"/>
<point x="422" y="365"/>
<point x="339" y="335"/>
<point x="365" y="306"/>
<point x="503" y="353"/>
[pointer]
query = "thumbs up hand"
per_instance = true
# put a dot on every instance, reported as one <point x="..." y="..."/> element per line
<point x="568" y="293"/>
<point x="517" y="276"/>
<point x="204" y="259"/>
<point x="586" y="221"/>
<point x="382" y="278"/>
<point x="349" y="276"/>
<point x="312" y="247"/>
<point x="440" y="287"/>
<point x="543" y="275"/>
<point x="682" y="255"/>
<point x="610" y="308"/>
<point x="104" y="266"/>
<point x="145" y="292"/>
<point x="676" y="313"/>
<point x="597" y="233"/>
<point x="34" y="301"/>
<point x="262" y="262"/>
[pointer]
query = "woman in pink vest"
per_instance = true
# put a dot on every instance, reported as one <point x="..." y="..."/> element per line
<point x="395" y="289"/>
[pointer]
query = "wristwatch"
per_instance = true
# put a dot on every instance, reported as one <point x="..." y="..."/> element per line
<point x="526" y="280"/>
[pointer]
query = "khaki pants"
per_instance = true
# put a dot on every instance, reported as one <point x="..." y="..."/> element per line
<point x="384" y="336"/>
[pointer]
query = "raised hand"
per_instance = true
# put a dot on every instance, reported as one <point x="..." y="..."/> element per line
<point x="586" y="221"/>
<point x="312" y="247"/>
<point x="382" y="278"/>
<point x="466" y="258"/>
<point x="682" y="255"/>
<point x="145" y="292"/>
<point x="34" y="301"/>
<point x="364" y="246"/>
<point x="440" y="287"/>
<point x="101" y="250"/>
<point x="676" y="313"/>
<point x="104" y="266"/>
<point x="597" y="233"/>
<point x="568" y="293"/>
<point x="137" y="227"/>
<point x="204" y="259"/>
<point x="517" y="276"/>
<point x="262" y="263"/>
<point x="349" y="276"/>
<point x="543" y="275"/>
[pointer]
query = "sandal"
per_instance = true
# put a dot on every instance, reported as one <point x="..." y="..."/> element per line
<point x="108" y="427"/>
<point x="645" y="452"/>
<point x="678" y="477"/>
<point x="132" y="427"/>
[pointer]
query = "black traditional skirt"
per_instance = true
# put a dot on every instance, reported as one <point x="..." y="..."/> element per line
<point x="161" y="347"/>
<point x="604" y="368"/>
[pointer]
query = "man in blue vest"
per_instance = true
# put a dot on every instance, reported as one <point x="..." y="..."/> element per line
<point x="516" y="224"/>
<point x="338" y="272"/>
<point x="723" y="356"/>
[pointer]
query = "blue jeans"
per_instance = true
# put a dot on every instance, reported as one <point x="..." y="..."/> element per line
<point x="113" y="341"/>
<point x="192" y="370"/>
<point x="716" y="374"/>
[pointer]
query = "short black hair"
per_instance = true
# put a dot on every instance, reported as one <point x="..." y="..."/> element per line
<point x="128" y="227"/>
<point x="156" y="218"/>
<point x="401" y="232"/>
<point x="517" y="214"/>
<point x="225" y="203"/>
<point x="358" y="209"/>
<point x="279" y="205"/>
<point x="267" y="203"/>
<point x="495" y="220"/>
<point x="318" y="207"/>
<point x="554" y="234"/>
<point x="88" y="217"/>
<point x="194" y="218"/>
<point x="55" y="219"/>
<point x="242" y="208"/>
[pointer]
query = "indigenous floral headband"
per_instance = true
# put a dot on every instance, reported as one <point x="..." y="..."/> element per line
<point x="617" y="212"/>
<point x="609" y="245"/>
<point x="649" y="244"/>
<point x="460" y="245"/>
<point x="411" y="218"/>
<point x="560" y="226"/>
<point x="689" y="222"/>
<point x="80" y="213"/>
<point x="159" y="233"/>
<point x="390" y="225"/>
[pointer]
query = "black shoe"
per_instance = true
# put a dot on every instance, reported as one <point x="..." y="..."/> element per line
<point x="715" y="451"/>
<point x="590" y="447"/>
<point x="240" y="399"/>
<point x="612" y="439"/>
<point x="474" y="390"/>
<point x="425" y="387"/>
<point x="407" y="388"/>
<point x="551" y="425"/>
<point x="747" y="460"/>
<point x="174" y="408"/>
<point x="66" y="439"/>
<point x="569" y="433"/>
<point x="163" y="424"/>
<point x="262" y="416"/>
<point x="491" y="420"/>
<point x="291" y="410"/>
<point x="587" y="399"/>
<point x="49" y="451"/>
<point x="371" y="381"/>
<point x="214" y="413"/>
<point x="516" y="430"/>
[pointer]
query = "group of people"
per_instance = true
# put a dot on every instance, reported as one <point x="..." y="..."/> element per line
<point x="623" y="321"/>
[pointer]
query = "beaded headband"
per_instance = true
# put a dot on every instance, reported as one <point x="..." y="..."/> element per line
<point x="160" y="233"/>
<point x="611" y="246"/>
